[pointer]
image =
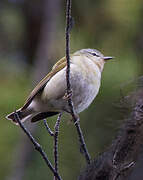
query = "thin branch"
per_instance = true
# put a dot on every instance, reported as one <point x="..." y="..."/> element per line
<point x="37" y="146"/>
<point x="55" y="136"/>
<point x="82" y="143"/>
<point x="57" y="125"/>
<point x="69" y="92"/>
<point x="47" y="127"/>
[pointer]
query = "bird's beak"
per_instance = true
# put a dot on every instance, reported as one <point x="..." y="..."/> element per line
<point x="106" y="58"/>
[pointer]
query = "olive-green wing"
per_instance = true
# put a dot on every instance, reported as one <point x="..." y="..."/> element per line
<point x="56" y="68"/>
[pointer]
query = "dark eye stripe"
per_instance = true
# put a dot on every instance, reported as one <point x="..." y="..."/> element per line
<point x="94" y="54"/>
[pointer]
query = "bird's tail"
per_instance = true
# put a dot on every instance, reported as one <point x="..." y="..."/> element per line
<point x="23" y="115"/>
<point x="29" y="114"/>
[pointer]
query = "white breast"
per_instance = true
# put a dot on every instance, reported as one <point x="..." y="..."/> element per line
<point x="85" y="84"/>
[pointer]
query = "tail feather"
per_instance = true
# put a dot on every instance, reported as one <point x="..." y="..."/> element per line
<point x="29" y="115"/>
<point x="11" y="116"/>
<point x="42" y="115"/>
<point x="23" y="115"/>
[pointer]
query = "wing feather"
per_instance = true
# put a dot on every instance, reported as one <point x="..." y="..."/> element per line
<point x="56" y="68"/>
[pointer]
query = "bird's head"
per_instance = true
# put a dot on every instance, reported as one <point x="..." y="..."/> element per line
<point x="96" y="56"/>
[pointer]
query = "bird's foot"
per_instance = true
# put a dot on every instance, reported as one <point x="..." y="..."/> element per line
<point x="67" y="95"/>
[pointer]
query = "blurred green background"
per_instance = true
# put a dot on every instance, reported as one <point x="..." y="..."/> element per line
<point x="32" y="39"/>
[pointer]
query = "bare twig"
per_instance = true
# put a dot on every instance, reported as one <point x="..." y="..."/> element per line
<point x="55" y="136"/>
<point x="37" y="146"/>
<point x="56" y="143"/>
<point x="69" y="92"/>
<point x="47" y="127"/>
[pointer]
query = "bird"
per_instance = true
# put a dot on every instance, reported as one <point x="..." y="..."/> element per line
<point x="48" y="97"/>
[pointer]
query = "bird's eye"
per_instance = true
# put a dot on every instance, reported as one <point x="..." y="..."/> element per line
<point x="94" y="54"/>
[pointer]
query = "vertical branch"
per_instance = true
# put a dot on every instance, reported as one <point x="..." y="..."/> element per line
<point x="68" y="17"/>
<point x="55" y="136"/>
<point x="57" y="125"/>
<point x="69" y="92"/>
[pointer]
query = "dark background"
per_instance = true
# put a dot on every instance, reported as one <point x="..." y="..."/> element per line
<point x="32" y="39"/>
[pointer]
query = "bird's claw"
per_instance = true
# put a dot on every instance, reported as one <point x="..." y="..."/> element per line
<point x="67" y="95"/>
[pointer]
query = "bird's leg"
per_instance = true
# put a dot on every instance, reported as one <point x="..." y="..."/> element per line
<point x="67" y="95"/>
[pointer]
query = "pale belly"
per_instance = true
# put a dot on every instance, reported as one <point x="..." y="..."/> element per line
<point x="83" y="91"/>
